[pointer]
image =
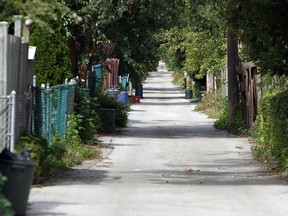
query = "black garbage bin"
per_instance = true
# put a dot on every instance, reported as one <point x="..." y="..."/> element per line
<point x="108" y="119"/>
<point x="19" y="180"/>
<point x="139" y="90"/>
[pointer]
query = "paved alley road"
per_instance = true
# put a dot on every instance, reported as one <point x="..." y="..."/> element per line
<point x="144" y="175"/>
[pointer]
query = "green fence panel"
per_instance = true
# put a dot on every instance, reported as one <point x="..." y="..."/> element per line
<point x="51" y="107"/>
<point x="48" y="116"/>
<point x="95" y="79"/>
<point x="71" y="98"/>
<point x="124" y="81"/>
<point x="39" y="112"/>
<point x="97" y="69"/>
<point x="60" y="94"/>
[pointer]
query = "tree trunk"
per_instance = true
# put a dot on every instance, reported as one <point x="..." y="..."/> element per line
<point x="73" y="57"/>
<point x="233" y="89"/>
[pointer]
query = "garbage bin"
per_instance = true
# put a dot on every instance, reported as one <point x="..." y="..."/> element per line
<point x="188" y="94"/>
<point x="108" y="119"/>
<point x="19" y="180"/>
<point x="123" y="97"/>
<point x="139" y="90"/>
<point x="113" y="92"/>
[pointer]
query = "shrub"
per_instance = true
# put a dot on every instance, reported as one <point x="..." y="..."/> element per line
<point x="76" y="151"/>
<point x="40" y="153"/>
<point x="5" y="204"/>
<point x="236" y="125"/>
<point x="271" y="130"/>
<point x="62" y="154"/>
<point x="211" y="104"/>
<point x="107" y="101"/>
<point x="85" y="108"/>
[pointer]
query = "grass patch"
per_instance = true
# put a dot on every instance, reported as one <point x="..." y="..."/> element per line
<point x="211" y="104"/>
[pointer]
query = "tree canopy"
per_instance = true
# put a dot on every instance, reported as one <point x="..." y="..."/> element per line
<point x="262" y="28"/>
<point x="192" y="30"/>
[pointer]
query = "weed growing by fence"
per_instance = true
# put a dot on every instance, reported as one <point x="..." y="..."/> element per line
<point x="85" y="108"/>
<point x="216" y="107"/>
<point x="38" y="149"/>
<point x="211" y="104"/>
<point x="76" y="151"/>
<point x="236" y="125"/>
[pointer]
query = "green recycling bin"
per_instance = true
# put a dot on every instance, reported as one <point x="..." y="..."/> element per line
<point x="188" y="94"/>
<point x="19" y="180"/>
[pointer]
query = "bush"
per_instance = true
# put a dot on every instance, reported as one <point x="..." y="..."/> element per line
<point x="107" y="101"/>
<point x="5" y="204"/>
<point x="236" y="125"/>
<point x="62" y="154"/>
<point x="40" y="153"/>
<point x="211" y="104"/>
<point x="271" y="130"/>
<point x="85" y="108"/>
<point x="76" y="151"/>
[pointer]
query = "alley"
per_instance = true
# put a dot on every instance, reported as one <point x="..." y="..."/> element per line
<point x="145" y="174"/>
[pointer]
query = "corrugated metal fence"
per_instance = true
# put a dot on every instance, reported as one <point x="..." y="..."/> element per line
<point x="14" y="73"/>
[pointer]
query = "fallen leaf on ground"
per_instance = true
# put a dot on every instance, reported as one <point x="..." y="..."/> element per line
<point x="190" y="169"/>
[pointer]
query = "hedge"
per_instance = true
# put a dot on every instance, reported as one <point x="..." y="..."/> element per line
<point x="272" y="128"/>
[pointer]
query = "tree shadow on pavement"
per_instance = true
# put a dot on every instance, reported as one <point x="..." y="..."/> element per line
<point x="43" y="208"/>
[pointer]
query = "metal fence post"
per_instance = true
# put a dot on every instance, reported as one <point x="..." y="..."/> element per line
<point x="13" y="118"/>
<point x="48" y="114"/>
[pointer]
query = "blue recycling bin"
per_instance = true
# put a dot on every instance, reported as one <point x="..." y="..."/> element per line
<point x="123" y="97"/>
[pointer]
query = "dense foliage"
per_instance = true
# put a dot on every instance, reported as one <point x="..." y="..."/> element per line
<point x="5" y="204"/>
<point x="197" y="44"/>
<point x="52" y="64"/>
<point x="271" y="129"/>
<point x="85" y="108"/>
<point x="262" y="28"/>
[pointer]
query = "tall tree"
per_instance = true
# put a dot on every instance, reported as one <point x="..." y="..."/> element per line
<point x="262" y="28"/>
<point x="233" y="90"/>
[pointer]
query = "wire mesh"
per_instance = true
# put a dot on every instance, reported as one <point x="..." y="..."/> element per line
<point x="4" y="120"/>
<point x="60" y="94"/>
<point x="23" y="115"/>
<point x="95" y="78"/>
<point x="51" y="107"/>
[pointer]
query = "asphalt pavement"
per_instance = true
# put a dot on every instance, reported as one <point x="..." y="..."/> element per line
<point x="169" y="161"/>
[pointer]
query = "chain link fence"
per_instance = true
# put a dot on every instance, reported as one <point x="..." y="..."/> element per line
<point x="7" y="121"/>
<point x="51" y="108"/>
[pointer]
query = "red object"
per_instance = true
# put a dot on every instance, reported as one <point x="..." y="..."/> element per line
<point x="136" y="99"/>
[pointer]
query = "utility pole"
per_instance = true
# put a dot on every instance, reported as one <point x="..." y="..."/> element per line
<point x="233" y="89"/>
